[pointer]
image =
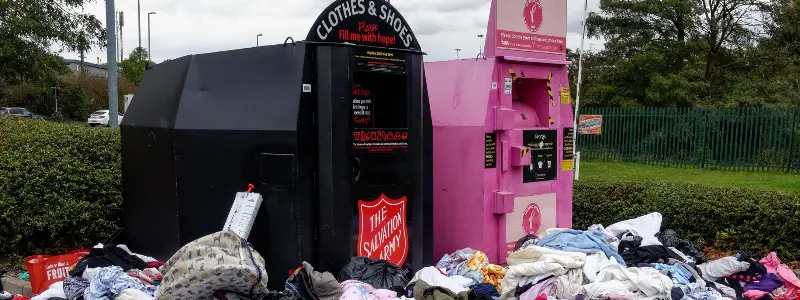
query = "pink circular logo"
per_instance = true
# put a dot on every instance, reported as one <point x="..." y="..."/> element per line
<point x="532" y="14"/>
<point x="531" y="219"/>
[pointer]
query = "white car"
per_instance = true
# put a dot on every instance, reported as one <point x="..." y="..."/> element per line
<point x="101" y="118"/>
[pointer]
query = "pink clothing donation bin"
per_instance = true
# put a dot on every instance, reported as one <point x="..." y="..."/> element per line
<point x="503" y="133"/>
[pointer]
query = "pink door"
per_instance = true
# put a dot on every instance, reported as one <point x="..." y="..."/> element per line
<point x="531" y="151"/>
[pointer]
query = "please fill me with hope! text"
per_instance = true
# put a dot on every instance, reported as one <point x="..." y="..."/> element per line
<point x="367" y="32"/>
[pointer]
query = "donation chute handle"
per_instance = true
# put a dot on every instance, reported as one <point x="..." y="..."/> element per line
<point x="243" y="212"/>
<point x="287" y="40"/>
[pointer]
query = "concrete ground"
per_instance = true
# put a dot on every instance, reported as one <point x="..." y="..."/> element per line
<point x="17" y="286"/>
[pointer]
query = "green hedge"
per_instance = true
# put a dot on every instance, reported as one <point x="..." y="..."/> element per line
<point x="60" y="186"/>
<point x="737" y="219"/>
<point x="60" y="189"/>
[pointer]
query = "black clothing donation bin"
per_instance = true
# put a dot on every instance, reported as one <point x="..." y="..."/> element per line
<point x="334" y="132"/>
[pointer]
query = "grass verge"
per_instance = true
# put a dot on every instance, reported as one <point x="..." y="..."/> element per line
<point x="639" y="172"/>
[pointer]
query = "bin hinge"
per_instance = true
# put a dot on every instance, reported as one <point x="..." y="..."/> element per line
<point x="514" y="156"/>
<point x="520" y="156"/>
<point x="503" y="118"/>
<point x="503" y="202"/>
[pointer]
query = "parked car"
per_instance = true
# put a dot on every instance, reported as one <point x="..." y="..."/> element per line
<point x="101" y="118"/>
<point x="18" y="111"/>
<point x="3" y="110"/>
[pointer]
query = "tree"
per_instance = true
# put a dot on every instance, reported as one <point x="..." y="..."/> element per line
<point x="728" y="28"/>
<point x="78" y="96"/>
<point x="771" y="74"/>
<point x="691" y="52"/>
<point x="134" y="66"/>
<point x="28" y="28"/>
<point x="592" y="68"/>
<point x="635" y="26"/>
<point x="649" y="44"/>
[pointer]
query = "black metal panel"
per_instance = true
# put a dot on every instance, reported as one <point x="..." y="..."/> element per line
<point x="202" y="127"/>
<point x="148" y="161"/>
<point x="198" y="132"/>
<point x="212" y="165"/>
<point x="245" y="89"/>
<point x="405" y="173"/>
<point x="334" y="166"/>
<point x="158" y="95"/>
<point x="426" y="227"/>
<point x="150" y="203"/>
<point x="420" y="155"/>
<point x="307" y="157"/>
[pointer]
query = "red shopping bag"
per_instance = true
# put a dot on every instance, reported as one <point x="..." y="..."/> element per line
<point x="45" y="270"/>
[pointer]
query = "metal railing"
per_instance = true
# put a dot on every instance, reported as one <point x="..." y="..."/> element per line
<point x="739" y="139"/>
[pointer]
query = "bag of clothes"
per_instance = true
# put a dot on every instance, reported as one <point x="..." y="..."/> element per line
<point x="380" y="274"/>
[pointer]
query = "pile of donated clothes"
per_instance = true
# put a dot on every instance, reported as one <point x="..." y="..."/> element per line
<point x="635" y="259"/>
<point x="628" y="260"/>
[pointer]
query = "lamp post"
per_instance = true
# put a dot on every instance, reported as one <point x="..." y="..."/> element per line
<point x="480" y="46"/>
<point x="55" y="95"/>
<point x="576" y="153"/>
<point x="457" y="50"/>
<point x="149" y="49"/>
<point x="139" y="20"/>
<point x="258" y="36"/>
<point x="112" y="64"/>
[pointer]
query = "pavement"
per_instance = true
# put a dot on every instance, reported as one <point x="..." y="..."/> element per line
<point x="17" y="286"/>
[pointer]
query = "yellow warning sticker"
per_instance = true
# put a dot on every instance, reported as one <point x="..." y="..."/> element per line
<point x="566" y="165"/>
<point x="565" y="96"/>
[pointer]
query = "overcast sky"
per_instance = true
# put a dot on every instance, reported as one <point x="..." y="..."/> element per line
<point x="184" y="27"/>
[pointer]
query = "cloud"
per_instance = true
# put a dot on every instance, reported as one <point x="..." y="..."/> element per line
<point x="574" y="26"/>
<point x="438" y="6"/>
<point x="425" y="26"/>
<point x="575" y="13"/>
<point x="184" y="27"/>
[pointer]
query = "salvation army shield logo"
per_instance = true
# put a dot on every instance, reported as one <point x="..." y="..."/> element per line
<point x="382" y="230"/>
<point x="533" y="15"/>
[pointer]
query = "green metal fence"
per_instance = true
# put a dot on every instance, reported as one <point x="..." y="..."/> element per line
<point x="752" y="139"/>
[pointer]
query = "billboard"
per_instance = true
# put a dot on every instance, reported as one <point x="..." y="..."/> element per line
<point x="532" y="25"/>
<point x="590" y="124"/>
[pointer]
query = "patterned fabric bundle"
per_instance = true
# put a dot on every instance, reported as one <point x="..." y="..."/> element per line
<point x="74" y="287"/>
<point x="219" y="261"/>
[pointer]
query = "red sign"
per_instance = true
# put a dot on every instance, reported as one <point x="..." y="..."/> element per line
<point x="530" y="42"/>
<point x="531" y="25"/>
<point x="382" y="232"/>
<point x="379" y="140"/>
<point x="532" y="14"/>
<point x="532" y="219"/>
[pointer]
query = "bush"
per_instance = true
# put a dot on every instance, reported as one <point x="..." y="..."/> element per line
<point x="60" y="189"/>
<point x="60" y="186"/>
<point x="737" y="219"/>
<point x="78" y="96"/>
